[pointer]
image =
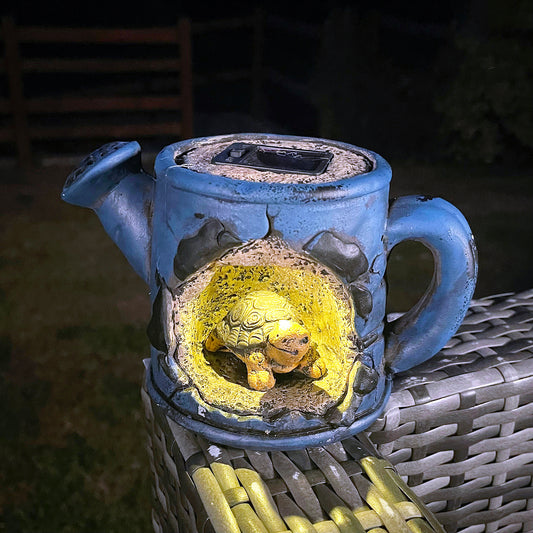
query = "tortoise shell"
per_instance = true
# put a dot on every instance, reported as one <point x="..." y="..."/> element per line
<point x="252" y="318"/>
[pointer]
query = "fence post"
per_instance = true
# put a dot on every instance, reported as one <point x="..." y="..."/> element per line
<point x="16" y="93"/>
<point x="186" y="89"/>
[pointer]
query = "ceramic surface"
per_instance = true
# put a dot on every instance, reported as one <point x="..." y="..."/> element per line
<point x="174" y="224"/>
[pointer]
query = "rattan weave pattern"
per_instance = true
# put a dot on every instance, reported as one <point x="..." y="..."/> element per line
<point x="459" y="429"/>
<point x="202" y="487"/>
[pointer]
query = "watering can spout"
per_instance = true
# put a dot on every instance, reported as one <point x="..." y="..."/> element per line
<point x="112" y="183"/>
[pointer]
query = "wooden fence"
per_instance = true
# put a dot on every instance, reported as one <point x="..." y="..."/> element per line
<point x="268" y="42"/>
<point x="102" y="109"/>
<point x="78" y="106"/>
<point x="157" y="98"/>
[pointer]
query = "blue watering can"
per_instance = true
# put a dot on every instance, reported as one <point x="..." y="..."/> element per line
<point x="175" y="224"/>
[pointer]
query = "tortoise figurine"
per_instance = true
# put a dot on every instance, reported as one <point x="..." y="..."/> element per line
<point x="261" y="329"/>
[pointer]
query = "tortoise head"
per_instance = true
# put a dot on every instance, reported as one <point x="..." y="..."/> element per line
<point x="287" y="343"/>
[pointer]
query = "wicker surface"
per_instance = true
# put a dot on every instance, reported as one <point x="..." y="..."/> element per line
<point x="459" y="430"/>
<point x="201" y="487"/>
<point x="460" y="427"/>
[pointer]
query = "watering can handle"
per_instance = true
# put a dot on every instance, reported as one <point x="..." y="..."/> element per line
<point x="424" y="329"/>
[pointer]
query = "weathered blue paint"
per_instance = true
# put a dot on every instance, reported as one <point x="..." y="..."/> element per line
<point x="148" y="219"/>
<point x="426" y="328"/>
<point x="112" y="183"/>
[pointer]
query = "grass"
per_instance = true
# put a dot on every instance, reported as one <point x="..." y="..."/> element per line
<point x="72" y="339"/>
<point x="72" y="342"/>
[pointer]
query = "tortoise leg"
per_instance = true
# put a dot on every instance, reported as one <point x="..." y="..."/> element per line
<point x="213" y="343"/>
<point x="312" y="365"/>
<point x="260" y="376"/>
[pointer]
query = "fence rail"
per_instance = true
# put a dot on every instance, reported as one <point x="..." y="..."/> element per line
<point x="100" y="56"/>
<point x="75" y="107"/>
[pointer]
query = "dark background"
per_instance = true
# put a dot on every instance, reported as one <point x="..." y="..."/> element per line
<point x="444" y="92"/>
<point x="448" y="80"/>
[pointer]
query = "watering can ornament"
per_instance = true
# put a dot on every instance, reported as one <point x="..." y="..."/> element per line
<point x="265" y="256"/>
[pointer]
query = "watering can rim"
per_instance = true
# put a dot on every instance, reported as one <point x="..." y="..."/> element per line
<point x="222" y="187"/>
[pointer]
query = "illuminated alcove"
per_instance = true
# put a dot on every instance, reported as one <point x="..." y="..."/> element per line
<point x="321" y="302"/>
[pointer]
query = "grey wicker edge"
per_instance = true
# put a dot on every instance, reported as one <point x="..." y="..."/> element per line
<point x="459" y="430"/>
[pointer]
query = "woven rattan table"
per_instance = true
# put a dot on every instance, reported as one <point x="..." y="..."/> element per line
<point x="458" y="429"/>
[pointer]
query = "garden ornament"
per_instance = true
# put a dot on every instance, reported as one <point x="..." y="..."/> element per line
<point x="265" y="256"/>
